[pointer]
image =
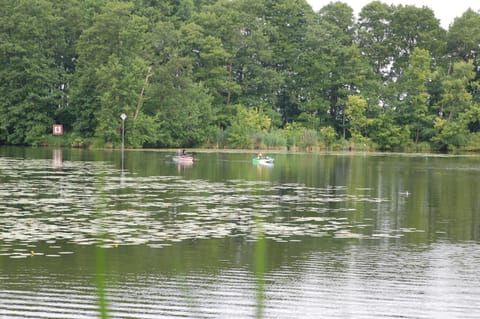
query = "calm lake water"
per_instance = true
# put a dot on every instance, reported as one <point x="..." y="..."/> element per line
<point x="344" y="235"/>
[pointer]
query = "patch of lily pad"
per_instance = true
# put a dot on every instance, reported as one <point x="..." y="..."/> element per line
<point x="85" y="203"/>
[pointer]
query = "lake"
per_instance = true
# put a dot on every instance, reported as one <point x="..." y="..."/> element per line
<point x="91" y="234"/>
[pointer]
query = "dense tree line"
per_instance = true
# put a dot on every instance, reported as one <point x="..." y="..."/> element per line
<point x="238" y="73"/>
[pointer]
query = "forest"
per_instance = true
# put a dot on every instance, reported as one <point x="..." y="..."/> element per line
<point x="249" y="74"/>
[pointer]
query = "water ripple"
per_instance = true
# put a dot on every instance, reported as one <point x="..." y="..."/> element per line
<point x="91" y="202"/>
<point x="360" y="282"/>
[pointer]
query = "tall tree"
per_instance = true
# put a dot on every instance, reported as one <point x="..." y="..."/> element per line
<point x="342" y="71"/>
<point x="414" y="111"/>
<point x="451" y="124"/>
<point x="464" y="35"/>
<point x="236" y="50"/>
<point x="356" y="116"/>
<point x="180" y="108"/>
<point x="74" y="16"/>
<point x="414" y="27"/>
<point x="374" y="34"/>
<point x="288" y="23"/>
<point x="110" y="71"/>
<point x="31" y="81"/>
<point x="389" y="34"/>
<point x="463" y="43"/>
<point x="456" y="98"/>
<point x="224" y="26"/>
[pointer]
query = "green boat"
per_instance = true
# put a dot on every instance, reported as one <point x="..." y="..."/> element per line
<point x="262" y="160"/>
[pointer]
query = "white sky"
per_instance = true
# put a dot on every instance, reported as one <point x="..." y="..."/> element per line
<point x="445" y="10"/>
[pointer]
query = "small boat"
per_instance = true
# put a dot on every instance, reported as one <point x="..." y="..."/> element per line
<point x="262" y="160"/>
<point x="183" y="158"/>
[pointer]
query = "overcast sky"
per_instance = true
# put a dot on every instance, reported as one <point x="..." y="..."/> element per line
<point x="445" y="10"/>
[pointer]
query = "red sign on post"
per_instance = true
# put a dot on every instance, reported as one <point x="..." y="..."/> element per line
<point x="57" y="129"/>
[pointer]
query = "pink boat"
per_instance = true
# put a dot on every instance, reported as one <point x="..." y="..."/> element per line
<point x="183" y="158"/>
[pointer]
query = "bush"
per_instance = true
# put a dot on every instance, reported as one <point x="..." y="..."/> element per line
<point x="309" y="139"/>
<point x="423" y="147"/>
<point x="220" y="138"/>
<point x="275" y="139"/>
<point x="473" y="142"/>
<point x="341" y="145"/>
<point x="327" y="135"/>
<point x="247" y="128"/>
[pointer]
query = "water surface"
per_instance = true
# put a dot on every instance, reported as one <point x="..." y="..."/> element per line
<point x="315" y="235"/>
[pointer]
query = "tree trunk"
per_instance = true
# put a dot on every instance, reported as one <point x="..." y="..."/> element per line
<point x="142" y="92"/>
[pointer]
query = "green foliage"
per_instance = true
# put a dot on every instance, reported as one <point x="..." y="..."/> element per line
<point x="375" y="33"/>
<point x="248" y="128"/>
<point x="423" y="147"/>
<point x="387" y="135"/>
<point x="450" y="135"/>
<point x="293" y="133"/>
<point x="327" y="134"/>
<point x="473" y="142"/>
<point x="356" y="115"/>
<point x="308" y="120"/>
<point x="414" y="108"/>
<point x="237" y="73"/>
<point x="185" y="116"/>
<point x="464" y="35"/>
<point x="456" y="98"/>
<point x="30" y="34"/>
<point x="142" y="132"/>
<point x="414" y="28"/>
<point x="220" y="138"/>
<point x="275" y="139"/>
<point x="308" y="139"/>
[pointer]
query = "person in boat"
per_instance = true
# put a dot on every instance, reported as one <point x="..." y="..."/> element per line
<point x="181" y="153"/>
<point x="259" y="155"/>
